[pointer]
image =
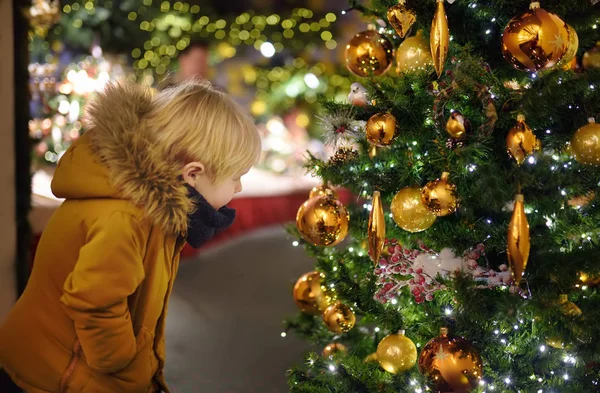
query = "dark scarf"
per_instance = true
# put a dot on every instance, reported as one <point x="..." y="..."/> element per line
<point x="206" y="221"/>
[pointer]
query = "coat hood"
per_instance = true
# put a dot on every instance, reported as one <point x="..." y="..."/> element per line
<point x="118" y="158"/>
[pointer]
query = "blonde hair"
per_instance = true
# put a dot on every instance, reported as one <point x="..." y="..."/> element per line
<point x="193" y="121"/>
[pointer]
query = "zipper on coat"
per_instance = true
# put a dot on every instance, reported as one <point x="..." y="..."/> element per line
<point x="64" y="379"/>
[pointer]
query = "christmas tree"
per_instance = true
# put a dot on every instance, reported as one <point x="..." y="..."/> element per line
<point x="471" y="261"/>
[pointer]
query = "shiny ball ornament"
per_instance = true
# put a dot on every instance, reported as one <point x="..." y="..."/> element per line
<point x="339" y="318"/>
<point x="458" y="126"/>
<point x="382" y="129"/>
<point x="323" y="221"/>
<point x="408" y="210"/>
<point x="572" y="48"/>
<point x="451" y="364"/>
<point x="585" y="144"/>
<point x="591" y="58"/>
<point x="308" y="295"/>
<point x="396" y="353"/>
<point x="369" y="53"/>
<point x="322" y="190"/>
<point x="413" y="54"/>
<point x="334" y="348"/>
<point x="439" y="196"/>
<point x="536" y="40"/>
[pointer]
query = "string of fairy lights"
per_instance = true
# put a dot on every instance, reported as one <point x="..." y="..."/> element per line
<point x="175" y="25"/>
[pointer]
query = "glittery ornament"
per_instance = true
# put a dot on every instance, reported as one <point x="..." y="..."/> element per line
<point x="413" y="54"/>
<point x="409" y="212"/>
<point x="585" y="143"/>
<point x="396" y="353"/>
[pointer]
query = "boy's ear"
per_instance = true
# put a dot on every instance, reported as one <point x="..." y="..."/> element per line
<point x="191" y="171"/>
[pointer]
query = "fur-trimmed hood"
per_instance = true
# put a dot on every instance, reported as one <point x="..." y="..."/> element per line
<point x="117" y="158"/>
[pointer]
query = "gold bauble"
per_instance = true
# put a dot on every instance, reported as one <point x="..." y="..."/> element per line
<point x="439" y="38"/>
<point x="382" y="129"/>
<point x="580" y="201"/>
<point x="451" y="364"/>
<point x="309" y="294"/>
<point x="413" y="54"/>
<point x="567" y="307"/>
<point x="396" y="353"/>
<point x="323" y="221"/>
<point x="458" y="126"/>
<point x="589" y="280"/>
<point x="409" y="212"/>
<point x="376" y="228"/>
<point x="339" y="318"/>
<point x="556" y="342"/>
<point x="439" y="196"/>
<point x="322" y="190"/>
<point x="401" y="18"/>
<point x="591" y="58"/>
<point x="369" y="53"/>
<point x="518" y="242"/>
<point x="572" y="48"/>
<point x="585" y="144"/>
<point x="521" y="141"/>
<point x="333" y="348"/>
<point x="535" y="40"/>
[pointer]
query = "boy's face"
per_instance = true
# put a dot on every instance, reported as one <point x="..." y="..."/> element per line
<point x="217" y="195"/>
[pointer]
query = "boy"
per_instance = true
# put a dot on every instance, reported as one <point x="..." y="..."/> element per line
<point x="151" y="172"/>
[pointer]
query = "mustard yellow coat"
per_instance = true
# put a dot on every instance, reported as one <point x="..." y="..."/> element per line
<point x="92" y="316"/>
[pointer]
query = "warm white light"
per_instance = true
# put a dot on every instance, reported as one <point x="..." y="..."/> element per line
<point x="267" y="49"/>
<point x="283" y="334"/>
<point x="295" y="243"/>
<point x="311" y="80"/>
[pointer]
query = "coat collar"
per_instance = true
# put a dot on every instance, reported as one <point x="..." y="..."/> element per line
<point x="138" y="168"/>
